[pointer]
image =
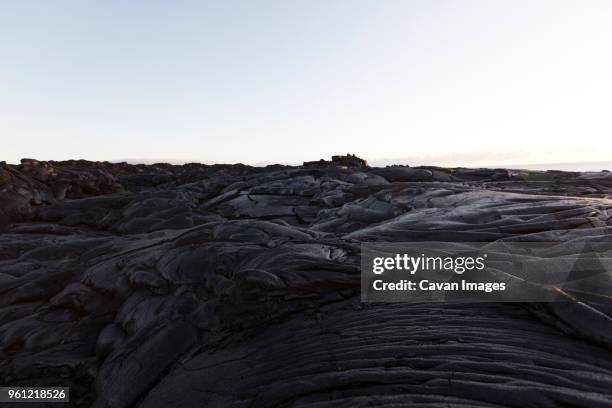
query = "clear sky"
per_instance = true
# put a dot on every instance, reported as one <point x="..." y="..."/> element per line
<point x="432" y="81"/>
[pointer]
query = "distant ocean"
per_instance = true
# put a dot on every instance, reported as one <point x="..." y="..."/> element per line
<point x="576" y="166"/>
<point x="586" y="166"/>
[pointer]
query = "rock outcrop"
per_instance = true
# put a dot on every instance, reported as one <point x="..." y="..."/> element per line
<point x="349" y="160"/>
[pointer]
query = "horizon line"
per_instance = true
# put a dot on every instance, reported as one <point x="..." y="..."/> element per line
<point x="580" y="166"/>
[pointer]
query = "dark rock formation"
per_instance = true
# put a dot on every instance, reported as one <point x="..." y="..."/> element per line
<point x="350" y="160"/>
<point x="34" y="183"/>
<point x="234" y="286"/>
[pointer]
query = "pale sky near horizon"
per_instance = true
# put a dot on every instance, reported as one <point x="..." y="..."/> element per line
<point x="423" y="82"/>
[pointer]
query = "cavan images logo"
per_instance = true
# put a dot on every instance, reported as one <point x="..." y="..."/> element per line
<point x="422" y="264"/>
<point x="504" y="271"/>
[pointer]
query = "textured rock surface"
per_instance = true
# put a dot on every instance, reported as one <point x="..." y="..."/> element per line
<point x="233" y="286"/>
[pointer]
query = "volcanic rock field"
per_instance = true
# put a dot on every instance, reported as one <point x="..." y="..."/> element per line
<point x="233" y="286"/>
